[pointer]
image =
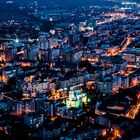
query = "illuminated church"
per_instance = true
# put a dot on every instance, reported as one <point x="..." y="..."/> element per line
<point x="76" y="99"/>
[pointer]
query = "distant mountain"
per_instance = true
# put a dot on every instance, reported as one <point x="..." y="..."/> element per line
<point x="65" y="1"/>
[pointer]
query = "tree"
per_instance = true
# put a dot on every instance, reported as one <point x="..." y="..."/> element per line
<point x="85" y="63"/>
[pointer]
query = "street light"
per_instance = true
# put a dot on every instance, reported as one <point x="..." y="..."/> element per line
<point x="17" y="40"/>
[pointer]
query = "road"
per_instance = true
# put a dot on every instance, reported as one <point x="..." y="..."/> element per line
<point x="133" y="112"/>
<point x="125" y="43"/>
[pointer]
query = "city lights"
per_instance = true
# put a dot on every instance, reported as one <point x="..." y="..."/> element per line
<point x="69" y="69"/>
